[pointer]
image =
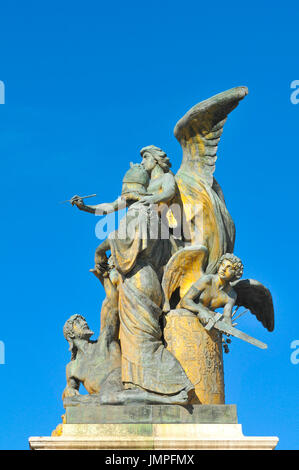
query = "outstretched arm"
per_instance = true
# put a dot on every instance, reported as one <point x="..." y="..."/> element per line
<point x="99" y="209"/>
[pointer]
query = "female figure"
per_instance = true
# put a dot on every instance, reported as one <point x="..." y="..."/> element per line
<point x="139" y="255"/>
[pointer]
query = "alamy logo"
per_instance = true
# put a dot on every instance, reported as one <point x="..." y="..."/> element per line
<point x="157" y="221"/>
<point x="2" y="353"/>
<point x="295" y="354"/>
<point x="295" y="94"/>
<point x="2" y="92"/>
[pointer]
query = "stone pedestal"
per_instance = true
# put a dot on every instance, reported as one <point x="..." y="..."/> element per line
<point x="152" y="437"/>
<point x="151" y="427"/>
<point x="77" y="413"/>
<point x="200" y="353"/>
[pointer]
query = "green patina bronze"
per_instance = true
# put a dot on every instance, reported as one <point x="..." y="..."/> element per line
<point x="148" y="274"/>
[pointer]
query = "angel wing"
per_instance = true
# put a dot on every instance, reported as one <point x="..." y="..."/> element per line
<point x="199" y="131"/>
<point x="208" y="221"/>
<point x="257" y="298"/>
<point x="182" y="270"/>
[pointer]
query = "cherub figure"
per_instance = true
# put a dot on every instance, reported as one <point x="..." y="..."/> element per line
<point x="187" y="285"/>
<point x="215" y="290"/>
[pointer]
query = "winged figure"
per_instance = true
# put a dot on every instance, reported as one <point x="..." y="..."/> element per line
<point x="183" y="269"/>
<point x="257" y="298"/>
<point x="205" y="214"/>
<point x="212" y="291"/>
<point x="203" y="218"/>
<point x="192" y="267"/>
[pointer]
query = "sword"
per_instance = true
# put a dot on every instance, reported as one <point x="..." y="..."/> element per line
<point x="223" y="327"/>
<point x="212" y="321"/>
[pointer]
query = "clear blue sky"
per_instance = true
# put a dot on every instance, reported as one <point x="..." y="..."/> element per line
<point x="87" y="85"/>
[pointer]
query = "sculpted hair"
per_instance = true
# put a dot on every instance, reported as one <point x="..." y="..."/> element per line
<point x="68" y="333"/>
<point x="158" y="154"/>
<point x="237" y="263"/>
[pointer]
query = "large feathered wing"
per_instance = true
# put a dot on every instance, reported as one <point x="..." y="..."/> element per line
<point x="257" y="298"/>
<point x="182" y="270"/>
<point x="206" y="219"/>
<point x="200" y="129"/>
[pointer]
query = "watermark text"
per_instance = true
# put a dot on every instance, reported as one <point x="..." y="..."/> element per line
<point x="2" y="353"/>
<point x="295" y="94"/>
<point x="295" y="353"/>
<point x="157" y="221"/>
<point x="2" y="92"/>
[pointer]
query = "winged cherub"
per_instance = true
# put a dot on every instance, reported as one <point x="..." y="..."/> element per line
<point x="209" y="292"/>
<point x="214" y="291"/>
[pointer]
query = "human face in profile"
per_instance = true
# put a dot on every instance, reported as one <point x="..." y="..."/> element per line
<point x="81" y="329"/>
<point x="148" y="162"/>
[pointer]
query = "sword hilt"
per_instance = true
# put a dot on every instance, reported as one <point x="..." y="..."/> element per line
<point x="212" y="321"/>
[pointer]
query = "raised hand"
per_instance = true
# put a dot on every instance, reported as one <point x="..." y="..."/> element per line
<point x="77" y="201"/>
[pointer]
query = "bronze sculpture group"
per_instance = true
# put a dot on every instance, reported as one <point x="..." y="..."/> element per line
<point x="171" y="256"/>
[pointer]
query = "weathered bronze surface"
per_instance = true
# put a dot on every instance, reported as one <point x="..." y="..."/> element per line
<point x="171" y="267"/>
<point x="97" y="414"/>
<point x="199" y="352"/>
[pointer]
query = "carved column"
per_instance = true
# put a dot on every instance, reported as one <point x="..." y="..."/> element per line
<point x="199" y="352"/>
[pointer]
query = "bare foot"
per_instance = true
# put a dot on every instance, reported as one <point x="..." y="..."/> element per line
<point x="180" y="399"/>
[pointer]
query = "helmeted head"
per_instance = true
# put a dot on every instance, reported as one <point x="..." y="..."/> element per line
<point x="76" y="327"/>
<point x="230" y="267"/>
<point x="152" y="155"/>
<point x="135" y="182"/>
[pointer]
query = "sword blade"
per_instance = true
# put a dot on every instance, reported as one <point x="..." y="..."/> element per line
<point x="230" y="330"/>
